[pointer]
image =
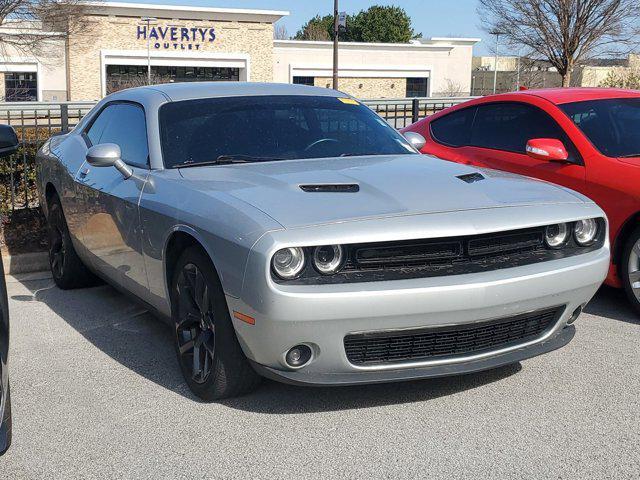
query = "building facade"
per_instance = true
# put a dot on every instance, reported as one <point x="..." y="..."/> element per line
<point x="119" y="40"/>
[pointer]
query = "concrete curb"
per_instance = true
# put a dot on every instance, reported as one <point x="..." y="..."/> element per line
<point x="25" y="263"/>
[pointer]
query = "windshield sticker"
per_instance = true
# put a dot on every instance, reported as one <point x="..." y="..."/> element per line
<point x="348" y="101"/>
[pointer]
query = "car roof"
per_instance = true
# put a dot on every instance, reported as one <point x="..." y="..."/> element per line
<point x="577" y="94"/>
<point x="192" y="90"/>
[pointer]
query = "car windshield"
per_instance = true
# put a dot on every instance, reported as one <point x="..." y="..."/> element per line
<point x="612" y="125"/>
<point x="268" y="128"/>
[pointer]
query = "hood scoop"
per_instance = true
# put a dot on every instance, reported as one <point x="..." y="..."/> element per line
<point x="471" y="177"/>
<point x="331" y="188"/>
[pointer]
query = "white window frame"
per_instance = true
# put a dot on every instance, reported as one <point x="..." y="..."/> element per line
<point x="31" y="65"/>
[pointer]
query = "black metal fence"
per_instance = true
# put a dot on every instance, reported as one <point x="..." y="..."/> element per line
<point x="35" y="122"/>
<point x="400" y="113"/>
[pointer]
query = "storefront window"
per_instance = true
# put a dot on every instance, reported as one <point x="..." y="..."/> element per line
<point x="21" y="86"/>
<point x="417" y="87"/>
<point x="128" y="76"/>
<point x="304" y="81"/>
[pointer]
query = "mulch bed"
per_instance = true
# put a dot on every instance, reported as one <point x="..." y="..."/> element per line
<point x="23" y="231"/>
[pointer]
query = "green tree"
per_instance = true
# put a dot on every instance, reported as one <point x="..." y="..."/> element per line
<point x="381" y="24"/>
<point x="376" y="24"/>
<point x="628" y="77"/>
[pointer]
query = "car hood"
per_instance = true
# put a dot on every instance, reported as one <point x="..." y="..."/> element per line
<point x="388" y="186"/>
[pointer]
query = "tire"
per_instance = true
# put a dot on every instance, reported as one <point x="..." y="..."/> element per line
<point x="209" y="355"/>
<point x="629" y="269"/>
<point x="6" y="424"/>
<point x="67" y="269"/>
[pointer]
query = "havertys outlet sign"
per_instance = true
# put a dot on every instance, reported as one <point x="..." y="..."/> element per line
<point x="176" y="38"/>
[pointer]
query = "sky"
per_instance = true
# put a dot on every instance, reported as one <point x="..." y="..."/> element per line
<point x="432" y="18"/>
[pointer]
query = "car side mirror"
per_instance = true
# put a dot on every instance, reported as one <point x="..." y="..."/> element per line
<point x="549" y="149"/>
<point x="8" y="140"/>
<point x="416" y="140"/>
<point x="108" y="155"/>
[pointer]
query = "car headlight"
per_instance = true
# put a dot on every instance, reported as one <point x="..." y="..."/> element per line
<point x="287" y="263"/>
<point x="555" y="236"/>
<point x="328" y="259"/>
<point x="585" y="231"/>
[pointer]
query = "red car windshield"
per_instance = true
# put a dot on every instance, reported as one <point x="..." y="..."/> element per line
<point x="612" y="125"/>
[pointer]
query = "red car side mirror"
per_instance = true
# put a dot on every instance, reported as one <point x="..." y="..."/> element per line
<point x="549" y="149"/>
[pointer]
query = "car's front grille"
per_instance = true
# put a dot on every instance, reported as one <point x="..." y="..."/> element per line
<point x="448" y="342"/>
<point x="457" y="250"/>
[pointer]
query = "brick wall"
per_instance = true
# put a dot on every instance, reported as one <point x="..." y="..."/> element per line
<point x="368" y="87"/>
<point x="120" y="33"/>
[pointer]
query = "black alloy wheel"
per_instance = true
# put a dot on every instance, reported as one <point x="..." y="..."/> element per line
<point x="67" y="269"/>
<point x="57" y="249"/>
<point x="195" y="332"/>
<point x="210" y="357"/>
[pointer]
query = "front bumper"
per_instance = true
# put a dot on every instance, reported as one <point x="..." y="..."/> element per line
<point x="302" y="377"/>
<point x="321" y="316"/>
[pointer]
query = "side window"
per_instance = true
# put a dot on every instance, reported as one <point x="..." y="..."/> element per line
<point x="128" y="129"/>
<point x="509" y="126"/>
<point x="454" y="129"/>
<point x="97" y="127"/>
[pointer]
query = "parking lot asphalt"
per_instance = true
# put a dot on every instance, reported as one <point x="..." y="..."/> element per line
<point x="97" y="393"/>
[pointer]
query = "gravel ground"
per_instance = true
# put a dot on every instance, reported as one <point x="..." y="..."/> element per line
<point x="97" y="394"/>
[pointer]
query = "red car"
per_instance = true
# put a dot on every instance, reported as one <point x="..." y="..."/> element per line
<point x="587" y="139"/>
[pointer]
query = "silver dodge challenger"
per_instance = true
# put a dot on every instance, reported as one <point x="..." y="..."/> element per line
<point x="289" y="232"/>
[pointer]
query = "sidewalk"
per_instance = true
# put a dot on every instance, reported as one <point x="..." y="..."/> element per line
<point x="24" y="262"/>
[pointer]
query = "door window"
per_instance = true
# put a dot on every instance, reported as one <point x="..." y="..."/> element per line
<point x="123" y="124"/>
<point x="454" y="129"/>
<point x="99" y="124"/>
<point x="508" y="126"/>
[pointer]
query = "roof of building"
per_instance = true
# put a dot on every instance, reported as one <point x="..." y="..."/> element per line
<point x="577" y="94"/>
<point x="193" y="90"/>
<point x="449" y="40"/>
<point x="183" y="11"/>
<point x="418" y="44"/>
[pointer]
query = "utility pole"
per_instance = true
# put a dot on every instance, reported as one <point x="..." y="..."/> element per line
<point x="336" y="31"/>
<point x="148" y="20"/>
<point x="495" y="65"/>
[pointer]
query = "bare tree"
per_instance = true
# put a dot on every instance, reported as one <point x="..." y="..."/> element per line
<point x="314" y="31"/>
<point x="451" y="89"/>
<point x="564" y="32"/>
<point x="280" y="32"/>
<point x="27" y="26"/>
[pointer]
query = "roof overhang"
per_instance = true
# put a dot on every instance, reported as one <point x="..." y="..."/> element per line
<point x="360" y="45"/>
<point x="183" y="12"/>
<point x="454" y="41"/>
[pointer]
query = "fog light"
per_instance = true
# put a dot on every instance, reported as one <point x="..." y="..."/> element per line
<point x="574" y="316"/>
<point x="298" y="356"/>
